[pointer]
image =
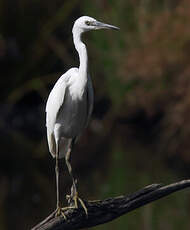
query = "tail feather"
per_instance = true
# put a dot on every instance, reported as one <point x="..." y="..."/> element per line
<point x="51" y="144"/>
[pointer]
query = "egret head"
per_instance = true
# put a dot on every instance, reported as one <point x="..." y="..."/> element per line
<point x="86" y="23"/>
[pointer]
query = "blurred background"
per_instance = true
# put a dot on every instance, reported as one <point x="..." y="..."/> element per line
<point x="140" y="127"/>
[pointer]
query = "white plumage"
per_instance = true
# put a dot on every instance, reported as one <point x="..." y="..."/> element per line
<point x="70" y="103"/>
<point x="68" y="109"/>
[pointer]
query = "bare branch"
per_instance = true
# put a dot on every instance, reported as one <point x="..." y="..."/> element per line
<point x="100" y="212"/>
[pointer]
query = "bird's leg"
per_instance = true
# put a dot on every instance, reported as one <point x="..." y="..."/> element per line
<point x="57" y="178"/>
<point x="73" y="198"/>
<point x="58" y="207"/>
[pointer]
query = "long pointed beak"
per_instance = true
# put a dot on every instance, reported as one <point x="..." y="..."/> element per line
<point x="101" y="25"/>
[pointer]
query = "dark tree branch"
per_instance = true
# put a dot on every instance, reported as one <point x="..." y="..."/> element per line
<point x="100" y="212"/>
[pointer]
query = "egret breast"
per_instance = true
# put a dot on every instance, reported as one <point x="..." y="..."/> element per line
<point x="72" y="115"/>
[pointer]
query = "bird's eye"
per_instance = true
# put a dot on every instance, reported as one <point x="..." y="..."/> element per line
<point x="87" y="23"/>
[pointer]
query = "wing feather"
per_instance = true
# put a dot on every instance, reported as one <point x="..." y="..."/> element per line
<point x="53" y="105"/>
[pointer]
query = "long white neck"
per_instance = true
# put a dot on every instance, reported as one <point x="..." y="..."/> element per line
<point x="82" y="51"/>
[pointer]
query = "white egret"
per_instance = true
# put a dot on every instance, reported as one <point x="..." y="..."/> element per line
<point x="69" y="105"/>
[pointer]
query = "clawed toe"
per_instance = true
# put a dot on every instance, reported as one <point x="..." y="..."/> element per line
<point x="60" y="212"/>
<point x="74" y="200"/>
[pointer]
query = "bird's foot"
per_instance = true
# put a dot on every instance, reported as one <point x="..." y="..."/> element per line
<point x="74" y="201"/>
<point x="60" y="212"/>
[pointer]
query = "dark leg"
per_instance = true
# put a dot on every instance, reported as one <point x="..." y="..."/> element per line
<point x="58" y="207"/>
<point x="67" y="160"/>
<point x="72" y="199"/>
<point x="57" y="178"/>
